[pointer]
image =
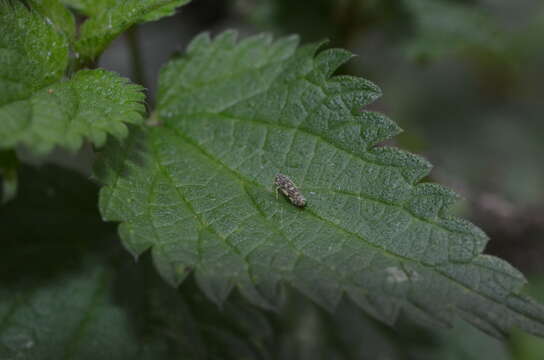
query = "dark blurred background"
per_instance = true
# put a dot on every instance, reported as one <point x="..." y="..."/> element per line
<point x="463" y="78"/>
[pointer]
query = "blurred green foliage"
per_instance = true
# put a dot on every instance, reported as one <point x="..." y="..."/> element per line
<point x="524" y="346"/>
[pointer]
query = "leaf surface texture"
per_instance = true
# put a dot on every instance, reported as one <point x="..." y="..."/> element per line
<point x="39" y="106"/>
<point x="198" y="192"/>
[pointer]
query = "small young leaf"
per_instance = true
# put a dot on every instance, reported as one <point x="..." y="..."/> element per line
<point x="33" y="53"/>
<point x="198" y="192"/>
<point x="92" y="104"/>
<point x="57" y="14"/>
<point x="41" y="110"/>
<point x="109" y="18"/>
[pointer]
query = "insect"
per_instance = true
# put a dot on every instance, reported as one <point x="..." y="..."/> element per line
<point x="289" y="189"/>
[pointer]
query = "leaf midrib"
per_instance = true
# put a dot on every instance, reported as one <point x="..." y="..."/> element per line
<point x="110" y="33"/>
<point x="385" y="252"/>
<point x="243" y="181"/>
<point x="259" y="211"/>
<point x="355" y="156"/>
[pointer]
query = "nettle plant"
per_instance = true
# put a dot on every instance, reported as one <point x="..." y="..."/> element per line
<point x="190" y="194"/>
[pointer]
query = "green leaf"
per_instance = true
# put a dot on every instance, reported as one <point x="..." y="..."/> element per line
<point x="92" y="104"/>
<point x="198" y="192"/>
<point x="52" y="301"/>
<point x="154" y="11"/>
<point x="109" y="18"/>
<point x="525" y="346"/>
<point x="32" y="53"/>
<point x="74" y="315"/>
<point x="55" y="12"/>
<point x="67" y="290"/>
<point x="40" y="109"/>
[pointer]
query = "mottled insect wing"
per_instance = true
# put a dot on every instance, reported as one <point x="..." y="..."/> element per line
<point x="289" y="189"/>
